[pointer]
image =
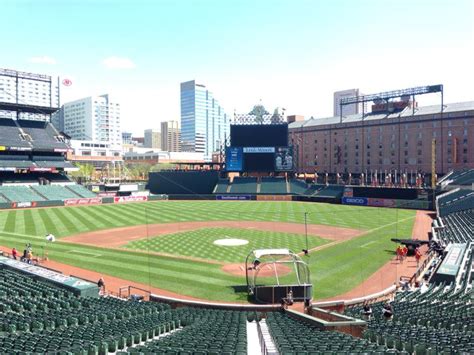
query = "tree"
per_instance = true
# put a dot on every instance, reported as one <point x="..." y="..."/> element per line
<point x="85" y="173"/>
<point x="162" y="166"/>
<point x="138" y="171"/>
<point x="259" y="112"/>
<point x="276" y="118"/>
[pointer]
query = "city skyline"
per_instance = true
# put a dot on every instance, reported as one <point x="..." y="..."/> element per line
<point x="287" y="54"/>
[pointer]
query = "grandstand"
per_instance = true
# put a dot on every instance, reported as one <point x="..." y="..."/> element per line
<point x="273" y="185"/>
<point x="244" y="185"/>
<point x="20" y="194"/>
<point x="33" y="165"/>
<point x="222" y="186"/>
<point x="437" y="318"/>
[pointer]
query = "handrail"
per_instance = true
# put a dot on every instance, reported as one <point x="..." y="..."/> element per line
<point x="387" y="291"/>
<point x="261" y="340"/>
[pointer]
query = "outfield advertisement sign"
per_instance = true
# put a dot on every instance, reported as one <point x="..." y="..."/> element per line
<point x="234" y="198"/>
<point x="382" y="202"/>
<point x="83" y="201"/>
<point x="358" y="201"/>
<point x="23" y="204"/>
<point x="125" y="199"/>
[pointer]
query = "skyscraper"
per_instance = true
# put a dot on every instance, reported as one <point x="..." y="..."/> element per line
<point x="95" y="118"/>
<point x="152" y="139"/>
<point x="346" y="109"/>
<point x="204" y="124"/>
<point x="170" y="136"/>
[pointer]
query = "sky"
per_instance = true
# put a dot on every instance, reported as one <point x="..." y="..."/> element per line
<point x="291" y="54"/>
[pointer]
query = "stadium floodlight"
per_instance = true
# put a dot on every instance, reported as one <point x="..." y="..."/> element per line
<point x="386" y="96"/>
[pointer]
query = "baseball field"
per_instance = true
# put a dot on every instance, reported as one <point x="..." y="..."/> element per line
<point x="174" y="245"/>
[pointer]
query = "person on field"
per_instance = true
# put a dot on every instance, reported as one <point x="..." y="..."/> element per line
<point x="14" y="253"/>
<point x="404" y="252"/>
<point x="101" y="284"/>
<point x="417" y="256"/>
<point x="29" y="257"/>
<point x="399" y="253"/>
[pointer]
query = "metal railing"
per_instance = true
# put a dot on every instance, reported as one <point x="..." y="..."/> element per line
<point x="261" y="340"/>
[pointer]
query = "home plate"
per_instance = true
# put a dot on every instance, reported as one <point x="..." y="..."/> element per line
<point x="231" y="242"/>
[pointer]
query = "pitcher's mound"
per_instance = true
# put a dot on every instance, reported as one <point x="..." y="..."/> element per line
<point x="266" y="271"/>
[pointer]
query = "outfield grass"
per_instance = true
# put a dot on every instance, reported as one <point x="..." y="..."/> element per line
<point x="335" y="269"/>
<point x="200" y="243"/>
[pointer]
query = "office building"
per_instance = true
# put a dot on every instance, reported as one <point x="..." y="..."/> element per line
<point x="57" y="119"/>
<point x="204" y="124"/>
<point x="399" y="142"/>
<point x="126" y="138"/>
<point x="152" y="138"/>
<point x="346" y="109"/>
<point x="95" y="119"/>
<point x="37" y="91"/>
<point x="170" y="136"/>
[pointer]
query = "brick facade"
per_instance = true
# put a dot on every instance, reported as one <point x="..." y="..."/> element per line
<point x="401" y="142"/>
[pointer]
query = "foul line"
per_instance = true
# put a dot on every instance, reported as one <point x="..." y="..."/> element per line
<point x="324" y="246"/>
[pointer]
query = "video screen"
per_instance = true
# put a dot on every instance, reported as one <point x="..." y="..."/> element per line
<point x="259" y="135"/>
<point x="284" y="159"/>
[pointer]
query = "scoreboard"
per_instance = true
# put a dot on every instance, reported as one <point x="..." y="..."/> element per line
<point x="259" y="148"/>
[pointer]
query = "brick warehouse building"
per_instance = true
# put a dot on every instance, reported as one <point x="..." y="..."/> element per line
<point x="399" y="141"/>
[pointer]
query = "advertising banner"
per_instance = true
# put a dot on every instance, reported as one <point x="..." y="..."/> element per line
<point x="284" y="159"/>
<point x="348" y="192"/>
<point x="381" y="202"/>
<point x="234" y="159"/>
<point x="82" y="201"/>
<point x="23" y="204"/>
<point x="125" y="199"/>
<point x="359" y="201"/>
<point x="259" y="149"/>
<point x="234" y="198"/>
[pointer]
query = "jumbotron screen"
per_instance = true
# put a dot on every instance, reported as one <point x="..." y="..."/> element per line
<point x="265" y="135"/>
<point x="259" y="148"/>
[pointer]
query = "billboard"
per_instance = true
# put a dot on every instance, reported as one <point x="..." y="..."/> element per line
<point x="125" y="199"/>
<point x="83" y="201"/>
<point x="284" y="159"/>
<point x="358" y="201"/>
<point x="234" y="159"/>
<point x="233" y="197"/>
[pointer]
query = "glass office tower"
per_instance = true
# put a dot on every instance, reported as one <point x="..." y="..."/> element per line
<point x="204" y="125"/>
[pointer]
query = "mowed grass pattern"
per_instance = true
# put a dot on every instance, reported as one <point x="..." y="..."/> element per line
<point x="335" y="269"/>
<point x="200" y="243"/>
<point x="66" y="221"/>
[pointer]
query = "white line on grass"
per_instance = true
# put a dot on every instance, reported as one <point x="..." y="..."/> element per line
<point x="21" y="235"/>
<point x="94" y="255"/>
<point x="364" y="245"/>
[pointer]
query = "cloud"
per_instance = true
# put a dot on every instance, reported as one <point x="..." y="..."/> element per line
<point x="118" y="63"/>
<point x="43" y="60"/>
